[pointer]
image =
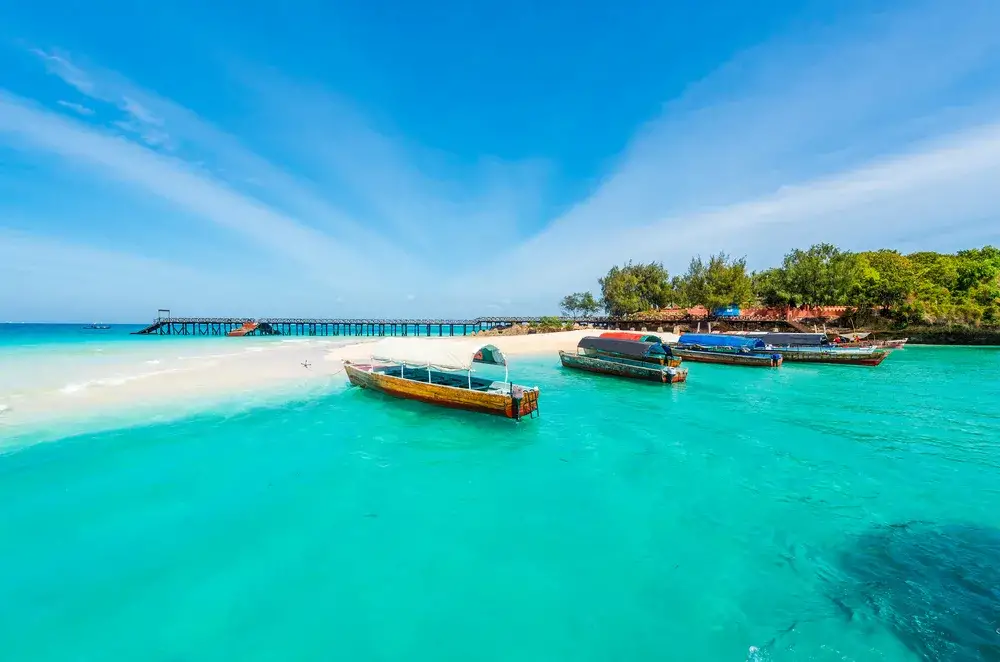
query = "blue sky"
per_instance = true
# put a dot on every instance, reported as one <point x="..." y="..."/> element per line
<point x="401" y="159"/>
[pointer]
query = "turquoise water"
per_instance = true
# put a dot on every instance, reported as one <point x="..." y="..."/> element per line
<point x="746" y="508"/>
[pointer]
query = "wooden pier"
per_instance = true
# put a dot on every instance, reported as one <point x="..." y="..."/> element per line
<point x="166" y="325"/>
<point x="280" y="326"/>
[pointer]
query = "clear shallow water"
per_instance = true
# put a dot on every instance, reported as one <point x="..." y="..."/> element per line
<point x="631" y="522"/>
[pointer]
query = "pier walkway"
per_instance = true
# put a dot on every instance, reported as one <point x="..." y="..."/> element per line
<point x="221" y="326"/>
<point x="166" y="325"/>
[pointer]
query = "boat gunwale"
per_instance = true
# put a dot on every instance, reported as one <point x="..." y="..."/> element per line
<point x="652" y="370"/>
<point x="507" y="394"/>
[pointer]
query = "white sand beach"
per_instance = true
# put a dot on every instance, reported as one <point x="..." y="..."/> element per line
<point x="136" y="381"/>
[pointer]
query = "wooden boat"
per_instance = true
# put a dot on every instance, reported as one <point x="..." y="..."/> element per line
<point x="877" y="344"/>
<point x="636" y="350"/>
<point x="590" y="360"/>
<point x="441" y="373"/>
<point x="246" y="329"/>
<point x="869" y="356"/>
<point x="727" y="358"/>
<point x="725" y="350"/>
<point x="817" y="348"/>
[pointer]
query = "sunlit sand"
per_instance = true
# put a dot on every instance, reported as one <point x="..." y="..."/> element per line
<point x="125" y="382"/>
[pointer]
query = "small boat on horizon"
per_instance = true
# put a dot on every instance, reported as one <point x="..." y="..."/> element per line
<point x="97" y="327"/>
<point x="725" y="350"/>
<point x="431" y="372"/>
<point x="648" y="361"/>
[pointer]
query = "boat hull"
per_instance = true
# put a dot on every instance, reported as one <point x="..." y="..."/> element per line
<point x="728" y="358"/>
<point x="649" y="372"/>
<point x="496" y="404"/>
<point x="878" y="344"/>
<point x="669" y="361"/>
<point x="834" y="356"/>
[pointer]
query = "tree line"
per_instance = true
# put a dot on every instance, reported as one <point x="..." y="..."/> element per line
<point x="924" y="287"/>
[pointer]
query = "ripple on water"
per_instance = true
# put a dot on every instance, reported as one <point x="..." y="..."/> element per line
<point x="630" y="522"/>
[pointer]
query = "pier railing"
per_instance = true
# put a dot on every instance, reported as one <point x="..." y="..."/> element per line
<point x="298" y="326"/>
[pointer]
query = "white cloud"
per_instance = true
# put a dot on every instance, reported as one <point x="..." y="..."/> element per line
<point x="162" y="123"/>
<point x="876" y="131"/>
<point x="850" y="136"/>
<point x="76" y="108"/>
<point x="423" y="197"/>
<point x="318" y="255"/>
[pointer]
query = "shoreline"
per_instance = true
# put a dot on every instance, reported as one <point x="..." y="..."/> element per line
<point x="65" y="393"/>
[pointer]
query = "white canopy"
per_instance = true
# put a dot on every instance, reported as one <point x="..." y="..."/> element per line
<point x="450" y="354"/>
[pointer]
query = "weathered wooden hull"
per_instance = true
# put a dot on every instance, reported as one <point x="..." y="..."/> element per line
<point x="670" y="361"/>
<point x="878" y="344"/>
<point x="835" y="356"/>
<point x="647" y="372"/>
<point x="497" y="404"/>
<point x="727" y="358"/>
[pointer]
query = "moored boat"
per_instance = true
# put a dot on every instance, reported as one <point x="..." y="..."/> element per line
<point x="441" y="373"/>
<point x="898" y="343"/>
<point x="868" y="356"/>
<point x="817" y="348"/>
<point x="646" y="351"/>
<point x="725" y="350"/>
<point x="647" y="365"/>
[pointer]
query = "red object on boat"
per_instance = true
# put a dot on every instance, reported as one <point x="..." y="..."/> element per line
<point x="624" y="335"/>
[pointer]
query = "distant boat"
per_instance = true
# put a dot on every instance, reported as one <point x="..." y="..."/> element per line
<point x="97" y="327"/>
<point x="247" y="329"/>
<point x="441" y="374"/>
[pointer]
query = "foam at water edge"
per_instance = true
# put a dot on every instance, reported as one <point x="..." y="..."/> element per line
<point x="113" y="381"/>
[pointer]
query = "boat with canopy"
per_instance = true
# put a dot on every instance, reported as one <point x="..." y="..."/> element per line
<point x="725" y="349"/>
<point x="647" y="351"/>
<point x="442" y="373"/>
<point x="650" y="361"/>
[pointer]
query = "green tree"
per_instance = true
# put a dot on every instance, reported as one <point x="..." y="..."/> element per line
<point x="771" y="287"/>
<point x="722" y="282"/>
<point x="692" y="287"/>
<point x="727" y="282"/>
<point x="634" y="288"/>
<point x="823" y="275"/>
<point x="579" y="303"/>
<point x="887" y="279"/>
<point x="588" y="304"/>
<point x="571" y="304"/>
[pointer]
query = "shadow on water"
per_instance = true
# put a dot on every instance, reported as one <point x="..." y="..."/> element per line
<point x="936" y="588"/>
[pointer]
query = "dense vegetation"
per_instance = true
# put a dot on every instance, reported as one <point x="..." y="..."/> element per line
<point x="929" y="288"/>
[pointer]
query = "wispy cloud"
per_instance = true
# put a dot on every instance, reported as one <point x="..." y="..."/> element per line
<point x="852" y="138"/>
<point x="422" y="196"/>
<point x="163" y="123"/>
<point x="880" y="130"/>
<point x="182" y="185"/>
<point x="76" y="108"/>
